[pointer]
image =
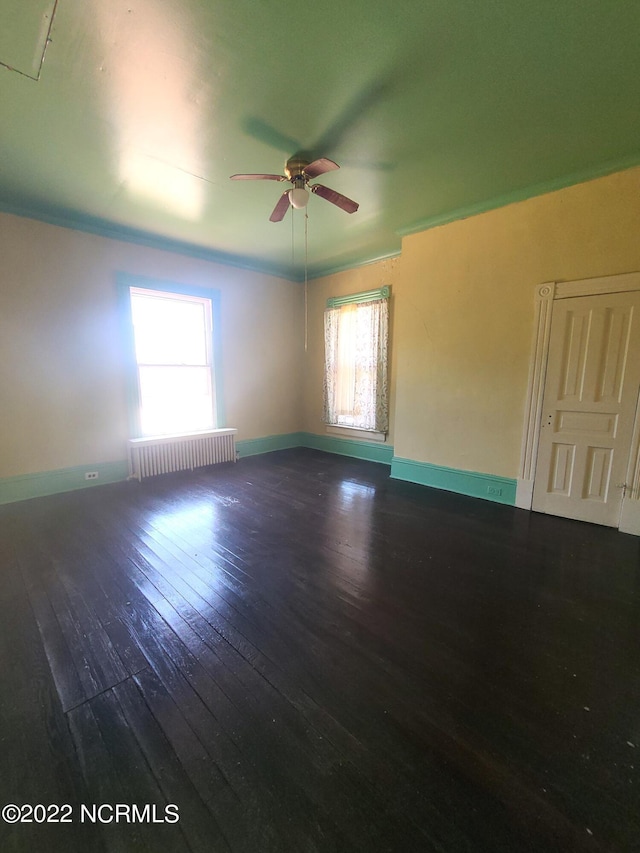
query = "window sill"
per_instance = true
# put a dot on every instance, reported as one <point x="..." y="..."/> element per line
<point x="354" y="433"/>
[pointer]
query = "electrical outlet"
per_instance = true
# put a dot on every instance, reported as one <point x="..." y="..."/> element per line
<point x="494" y="490"/>
<point x="91" y="475"/>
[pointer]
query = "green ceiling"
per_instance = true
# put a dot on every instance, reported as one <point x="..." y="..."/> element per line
<point x="141" y="110"/>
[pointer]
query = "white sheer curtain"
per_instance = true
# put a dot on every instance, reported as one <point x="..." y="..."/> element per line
<point x="355" y="383"/>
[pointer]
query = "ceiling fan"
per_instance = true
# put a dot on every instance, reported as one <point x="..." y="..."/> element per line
<point x="299" y="172"/>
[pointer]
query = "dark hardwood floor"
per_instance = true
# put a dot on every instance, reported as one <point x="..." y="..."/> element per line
<point x="304" y="655"/>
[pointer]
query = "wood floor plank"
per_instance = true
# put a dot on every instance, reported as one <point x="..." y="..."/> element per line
<point x="245" y="699"/>
<point x="306" y="655"/>
<point x="68" y="673"/>
<point x="237" y="664"/>
<point x="246" y="814"/>
<point x="160" y="645"/>
<point x="37" y="753"/>
<point x="106" y="782"/>
<point x="197" y="822"/>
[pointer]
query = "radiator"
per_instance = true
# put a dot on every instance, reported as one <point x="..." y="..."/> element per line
<point x="167" y="453"/>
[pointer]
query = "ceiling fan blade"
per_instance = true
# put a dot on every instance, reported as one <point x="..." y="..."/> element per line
<point x="319" y="167"/>
<point x="258" y="178"/>
<point x="338" y="199"/>
<point x="281" y="208"/>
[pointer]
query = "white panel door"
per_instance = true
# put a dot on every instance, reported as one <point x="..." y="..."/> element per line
<point x="590" y="398"/>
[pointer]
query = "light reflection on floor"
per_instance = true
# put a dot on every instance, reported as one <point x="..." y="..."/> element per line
<point x="197" y="525"/>
<point x="351" y="527"/>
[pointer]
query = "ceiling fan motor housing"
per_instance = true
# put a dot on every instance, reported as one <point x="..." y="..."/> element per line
<point x="294" y="167"/>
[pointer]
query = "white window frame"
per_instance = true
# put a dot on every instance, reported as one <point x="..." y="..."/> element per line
<point x="342" y="429"/>
<point x="128" y="284"/>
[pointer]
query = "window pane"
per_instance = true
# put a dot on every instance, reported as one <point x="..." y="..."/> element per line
<point x="346" y="375"/>
<point x="169" y="330"/>
<point x="355" y="386"/>
<point x="175" y="399"/>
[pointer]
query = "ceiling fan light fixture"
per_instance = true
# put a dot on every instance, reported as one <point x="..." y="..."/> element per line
<point x="299" y="197"/>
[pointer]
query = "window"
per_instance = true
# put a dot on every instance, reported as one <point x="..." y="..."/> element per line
<point x="172" y="388"/>
<point x="356" y="361"/>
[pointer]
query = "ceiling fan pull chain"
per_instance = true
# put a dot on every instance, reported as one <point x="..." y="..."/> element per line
<point x="306" y="296"/>
<point x="293" y="250"/>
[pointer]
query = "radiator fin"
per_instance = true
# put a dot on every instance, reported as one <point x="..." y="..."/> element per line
<point x="149" y="457"/>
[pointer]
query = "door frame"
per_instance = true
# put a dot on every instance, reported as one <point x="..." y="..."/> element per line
<point x="546" y="295"/>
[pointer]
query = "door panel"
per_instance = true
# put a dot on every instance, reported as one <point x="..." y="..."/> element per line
<point x="612" y="364"/>
<point x="562" y="465"/>
<point x="591" y="391"/>
<point x="574" y="356"/>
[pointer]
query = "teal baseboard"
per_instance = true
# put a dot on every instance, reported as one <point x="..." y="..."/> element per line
<point x="255" y="446"/>
<point x="45" y="483"/>
<point x="369" y="450"/>
<point x="488" y="486"/>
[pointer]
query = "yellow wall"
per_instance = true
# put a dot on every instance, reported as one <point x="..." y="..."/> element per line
<point x="62" y="390"/>
<point x="464" y="315"/>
